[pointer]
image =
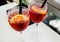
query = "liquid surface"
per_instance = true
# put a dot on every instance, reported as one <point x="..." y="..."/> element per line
<point x="37" y="14"/>
<point x="18" y="22"/>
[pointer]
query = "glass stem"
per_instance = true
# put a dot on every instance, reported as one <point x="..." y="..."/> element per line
<point x="21" y="32"/>
<point x="22" y="40"/>
<point x="37" y="24"/>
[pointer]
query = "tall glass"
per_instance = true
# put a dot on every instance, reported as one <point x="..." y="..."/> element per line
<point x="18" y="22"/>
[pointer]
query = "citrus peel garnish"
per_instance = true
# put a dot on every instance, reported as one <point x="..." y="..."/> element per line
<point x="39" y="10"/>
<point x="18" y="18"/>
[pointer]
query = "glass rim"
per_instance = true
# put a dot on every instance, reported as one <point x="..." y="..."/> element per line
<point x="46" y="7"/>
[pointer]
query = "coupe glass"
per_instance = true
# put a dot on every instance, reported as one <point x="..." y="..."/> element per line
<point x="37" y="15"/>
<point x="18" y="22"/>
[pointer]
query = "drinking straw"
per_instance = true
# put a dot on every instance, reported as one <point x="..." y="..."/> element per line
<point x="43" y="3"/>
<point x="20" y="6"/>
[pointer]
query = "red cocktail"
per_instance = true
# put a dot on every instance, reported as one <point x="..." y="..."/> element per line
<point x="37" y="14"/>
<point x="18" y="22"/>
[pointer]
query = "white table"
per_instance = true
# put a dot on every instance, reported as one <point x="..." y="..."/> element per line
<point x="7" y="34"/>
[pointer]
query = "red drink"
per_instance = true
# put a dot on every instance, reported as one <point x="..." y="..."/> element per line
<point x="18" y="22"/>
<point x="37" y="14"/>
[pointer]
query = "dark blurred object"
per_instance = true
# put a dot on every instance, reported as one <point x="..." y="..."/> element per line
<point x="3" y="2"/>
<point x="24" y="5"/>
<point x="10" y="0"/>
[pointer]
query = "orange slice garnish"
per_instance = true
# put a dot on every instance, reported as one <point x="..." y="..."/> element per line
<point x="18" y="18"/>
<point x="39" y="10"/>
